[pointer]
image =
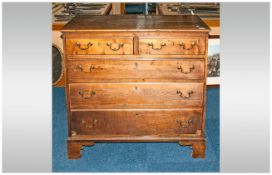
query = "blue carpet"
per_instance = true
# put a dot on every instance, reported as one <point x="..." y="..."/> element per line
<point x="135" y="157"/>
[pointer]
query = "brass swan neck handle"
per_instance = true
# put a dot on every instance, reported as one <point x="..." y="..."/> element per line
<point x="156" y="48"/>
<point x="84" y="48"/>
<point x="182" y="45"/>
<point x="117" y="48"/>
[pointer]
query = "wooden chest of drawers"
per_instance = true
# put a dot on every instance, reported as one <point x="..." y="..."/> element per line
<point x="136" y="79"/>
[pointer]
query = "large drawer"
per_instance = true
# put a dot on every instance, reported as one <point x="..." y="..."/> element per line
<point x="172" y="46"/>
<point x="135" y="95"/>
<point x="99" y="46"/>
<point x="137" y="122"/>
<point x="128" y="70"/>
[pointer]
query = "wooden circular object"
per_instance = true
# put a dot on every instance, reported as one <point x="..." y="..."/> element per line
<point x="57" y="65"/>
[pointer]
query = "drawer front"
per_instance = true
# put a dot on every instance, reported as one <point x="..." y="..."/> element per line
<point x="118" y="70"/>
<point x="172" y="46"/>
<point x="135" y="95"/>
<point x="99" y="46"/>
<point x="137" y="122"/>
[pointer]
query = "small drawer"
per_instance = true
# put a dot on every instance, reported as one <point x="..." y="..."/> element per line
<point x="135" y="71"/>
<point x="99" y="46"/>
<point x="172" y="46"/>
<point x="137" y="122"/>
<point x="135" y="95"/>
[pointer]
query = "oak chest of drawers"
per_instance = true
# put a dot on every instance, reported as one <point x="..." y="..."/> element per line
<point x="136" y="79"/>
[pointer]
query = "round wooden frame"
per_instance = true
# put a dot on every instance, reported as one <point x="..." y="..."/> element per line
<point x="62" y="65"/>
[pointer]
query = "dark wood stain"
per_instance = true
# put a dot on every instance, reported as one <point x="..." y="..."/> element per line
<point x="136" y="79"/>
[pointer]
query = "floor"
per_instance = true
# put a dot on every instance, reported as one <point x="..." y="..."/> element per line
<point x="135" y="157"/>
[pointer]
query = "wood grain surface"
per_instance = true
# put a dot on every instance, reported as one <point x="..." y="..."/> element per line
<point x="172" y="46"/>
<point x="136" y="78"/>
<point x="135" y="95"/>
<point x="100" y="46"/>
<point x="135" y="70"/>
<point x="136" y="23"/>
<point x="137" y="122"/>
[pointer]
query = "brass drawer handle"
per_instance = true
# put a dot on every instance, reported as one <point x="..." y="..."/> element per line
<point x="115" y="49"/>
<point x="183" y="45"/>
<point x="158" y="48"/>
<point x="86" y="94"/>
<point x="85" y="69"/>
<point x="185" y="123"/>
<point x="185" y="95"/>
<point x="186" y="69"/>
<point x="84" y="48"/>
<point x="89" y="125"/>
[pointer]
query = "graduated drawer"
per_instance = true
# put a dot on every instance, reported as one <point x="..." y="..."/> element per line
<point x="128" y="70"/>
<point x="99" y="46"/>
<point x="172" y="46"/>
<point x="136" y="122"/>
<point x="135" y="95"/>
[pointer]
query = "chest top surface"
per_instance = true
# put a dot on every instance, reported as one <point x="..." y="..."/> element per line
<point x="136" y="23"/>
